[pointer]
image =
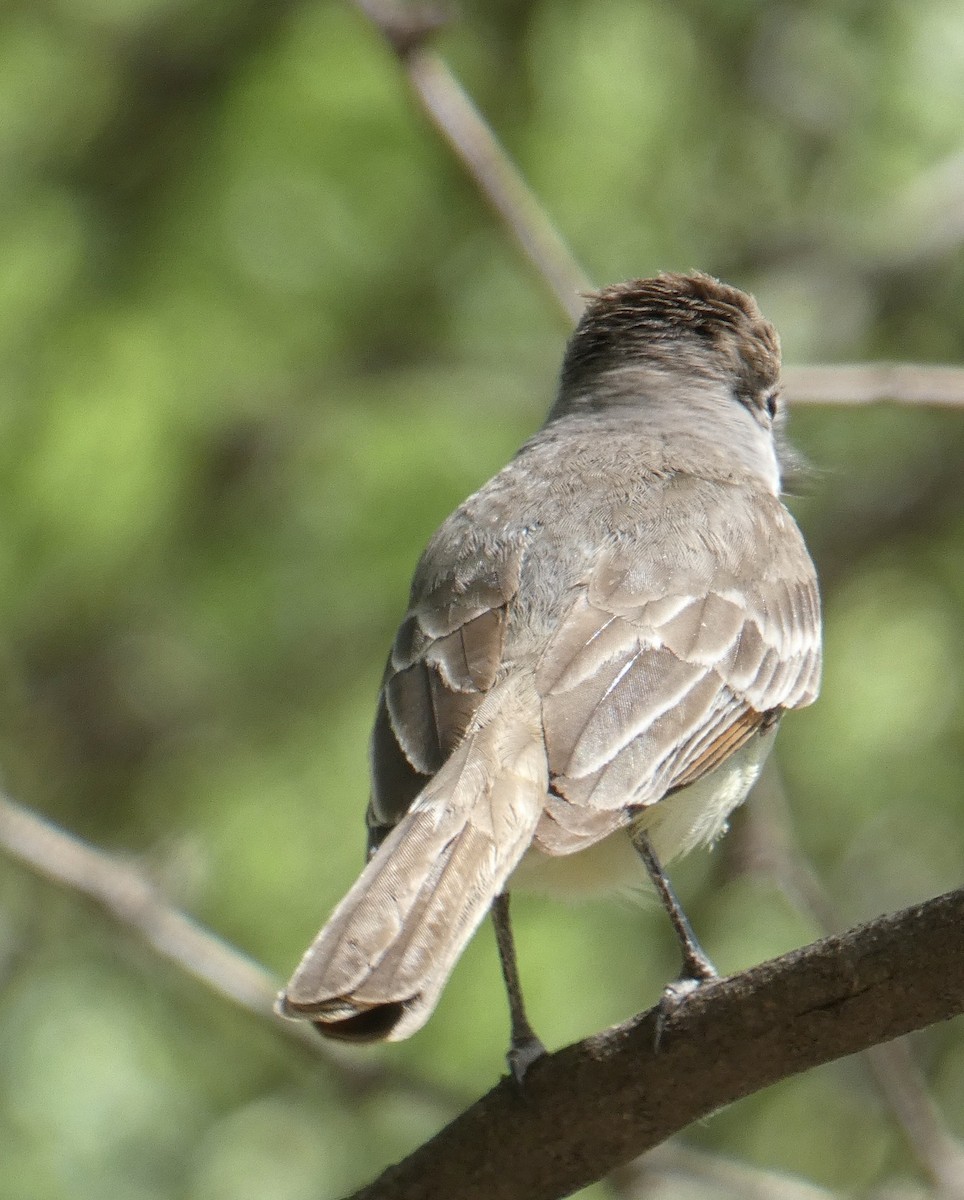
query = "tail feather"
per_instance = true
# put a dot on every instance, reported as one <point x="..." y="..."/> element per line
<point x="377" y="968"/>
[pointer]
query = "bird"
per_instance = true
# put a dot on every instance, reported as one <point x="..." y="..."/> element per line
<point x="599" y="646"/>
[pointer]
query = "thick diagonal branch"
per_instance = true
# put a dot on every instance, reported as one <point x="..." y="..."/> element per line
<point x="595" y="1105"/>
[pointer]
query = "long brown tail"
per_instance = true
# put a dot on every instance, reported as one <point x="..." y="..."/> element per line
<point x="377" y="968"/>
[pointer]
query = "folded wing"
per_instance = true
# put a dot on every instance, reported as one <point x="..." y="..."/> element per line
<point x="664" y="666"/>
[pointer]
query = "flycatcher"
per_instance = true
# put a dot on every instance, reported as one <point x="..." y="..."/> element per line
<point x="599" y="646"/>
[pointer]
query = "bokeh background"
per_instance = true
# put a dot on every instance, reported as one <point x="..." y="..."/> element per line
<point x="258" y="335"/>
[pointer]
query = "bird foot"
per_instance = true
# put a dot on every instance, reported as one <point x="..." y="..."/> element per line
<point x="676" y="994"/>
<point x="521" y="1055"/>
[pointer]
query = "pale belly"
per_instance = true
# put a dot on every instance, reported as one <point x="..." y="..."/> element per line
<point x="695" y="816"/>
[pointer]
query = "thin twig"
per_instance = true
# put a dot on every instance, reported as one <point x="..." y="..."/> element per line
<point x="876" y="383"/>
<point x="132" y="899"/>
<point x="497" y="178"/>
<point x="713" y="1173"/>
<point x="777" y="850"/>
<point x="445" y="102"/>
<point x="899" y="1078"/>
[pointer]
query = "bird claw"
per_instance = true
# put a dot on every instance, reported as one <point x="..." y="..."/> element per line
<point x="520" y="1057"/>
<point x="674" y="996"/>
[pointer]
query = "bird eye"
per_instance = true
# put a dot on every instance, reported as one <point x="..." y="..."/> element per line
<point x="771" y="402"/>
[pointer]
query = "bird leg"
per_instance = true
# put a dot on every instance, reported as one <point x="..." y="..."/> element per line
<point x="697" y="967"/>
<point x="524" y="1046"/>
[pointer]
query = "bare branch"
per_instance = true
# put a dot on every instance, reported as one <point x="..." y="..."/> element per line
<point x="463" y="128"/>
<point x="408" y="29"/>
<point x="713" y="1173"/>
<point x="134" y="901"/>
<point x="453" y="114"/>
<point x="875" y="383"/>
<point x="777" y="850"/>
<point x="899" y="1079"/>
<point x="595" y="1105"/>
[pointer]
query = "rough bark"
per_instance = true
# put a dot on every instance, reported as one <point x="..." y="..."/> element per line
<point x="598" y="1104"/>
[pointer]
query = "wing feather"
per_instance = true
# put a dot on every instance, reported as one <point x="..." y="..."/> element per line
<point x="643" y="692"/>
<point x="671" y="651"/>
<point x="445" y="658"/>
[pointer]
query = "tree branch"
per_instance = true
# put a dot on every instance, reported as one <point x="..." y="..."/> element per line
<point x="874" y="383"/>
<point x="407" y="30"/>
<point x="712" y="1174"/>
<point x="775" y="848"/>
<point x="596" y="1105"/>
<point x="130" y="897"/>
<point x="487" y="164"/>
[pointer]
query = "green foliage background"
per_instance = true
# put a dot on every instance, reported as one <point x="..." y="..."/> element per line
<point x="258" y="335"/>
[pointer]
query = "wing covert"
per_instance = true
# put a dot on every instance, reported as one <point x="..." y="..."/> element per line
<point x="445" y="657"/>
<point x="663" y="666"/>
